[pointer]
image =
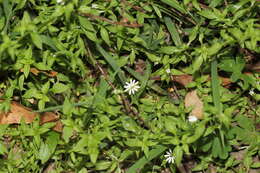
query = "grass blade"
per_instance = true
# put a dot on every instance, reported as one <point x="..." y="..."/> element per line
<point x="215" y="86"/>
<point x="173" y="31"/>
<point x="175" y="4"/>
<point x="144" y="160"/>
<point x="112" y="63"/>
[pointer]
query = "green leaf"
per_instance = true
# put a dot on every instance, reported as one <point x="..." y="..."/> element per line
<point x="3" y="149"/>
<point x="197" y="64"/>
<point x="102" y="165"/>
<point x="36" y="40"/>
<point x="215" y="86"/>
<point x="67" y="133"/>
<point x="59" y="88"/>
<point x="157" y="11"/>
<point x="105" y="36"/>
<point x="45" y="88"/>
<point x="112" y="63"/>
<point x="178" y="153"/>
<point x="144" y="160"/>
<point x="26" y="70"/>
<point x="67" y="107"/>
<point x="216" y="147"/>
<point x="199" y="131"/>
<point x="175" y="4"/>
<point x="44" y="153"/>
<point x="173" y="31"/>
<point x="52" y="141"/>
<point x="208" y="14"/>
<point x="48" y="41"/>
<point x="88" y="28"/>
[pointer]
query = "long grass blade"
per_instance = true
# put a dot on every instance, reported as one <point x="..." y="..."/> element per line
<point x="175" y="4"/>
<point x="144" y="160"/>
<point x="112" y="63"/>
<point x="173" y="31"/>
<point x="215" y="86"/>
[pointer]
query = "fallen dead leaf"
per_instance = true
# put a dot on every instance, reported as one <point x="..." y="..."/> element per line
<point x="225" y="81"/>
<point x="58" y="126"/>
<point x="192" y="100"/>
<point x="183" y="79"/>
<point x="35" y="71"/>
<point x="52" y="74"/>
<point x="16" y="113"/>
<point x="47" y="117"/>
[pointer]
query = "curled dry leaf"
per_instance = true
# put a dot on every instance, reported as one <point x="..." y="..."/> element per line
<point x="192" y="100"/>
<point x="183" y="79"/>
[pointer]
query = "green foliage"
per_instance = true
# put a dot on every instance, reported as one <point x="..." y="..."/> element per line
<point x="74" y="57"/>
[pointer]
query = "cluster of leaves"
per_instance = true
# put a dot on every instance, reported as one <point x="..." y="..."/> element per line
<point x="74" y="57"/>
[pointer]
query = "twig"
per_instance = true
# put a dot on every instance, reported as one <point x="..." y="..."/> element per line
<point x="126" y="103"/>
<point x="137" y="8"/>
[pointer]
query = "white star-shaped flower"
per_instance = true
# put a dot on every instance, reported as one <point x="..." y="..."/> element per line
<point x="131" y="87"/>
<point x="169" y="156"/>
<point x="251" y="92"/>
<point x="192" y="119"/>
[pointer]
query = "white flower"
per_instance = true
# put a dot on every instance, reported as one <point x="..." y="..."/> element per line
<point x="131" y="87"/>
<point x="192" y="118"/>
<point x="169" y="156"/>
<point x="168" y="70"/>
<point x="251" y="92"/>
<point x="94" y="6"/>
<point x="60" y="2"/>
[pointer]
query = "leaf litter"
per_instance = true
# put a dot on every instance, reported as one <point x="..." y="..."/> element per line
<point x="192" y="100"/>
<point x="18" y="112"/>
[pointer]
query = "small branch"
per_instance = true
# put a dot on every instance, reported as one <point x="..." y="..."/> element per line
<point x="137" y="8"/>
<point x="126" y="103"/>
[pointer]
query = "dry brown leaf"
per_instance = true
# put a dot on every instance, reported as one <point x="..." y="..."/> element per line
<point x="183" y="79"/>
<point x="52" y="74"/>
<point x="192" y="100"/>
<point x="58" y="126"/>
<point x="35" y="71"/>
<point x="225" y="81"/>
<point x="16" y="113"/>
<point x="48" y="117"/>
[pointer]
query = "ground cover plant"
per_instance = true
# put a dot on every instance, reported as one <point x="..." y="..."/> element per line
<point x="129" y="86"/>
